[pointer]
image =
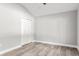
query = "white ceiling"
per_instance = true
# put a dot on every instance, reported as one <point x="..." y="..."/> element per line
<point x="38" y="9"/>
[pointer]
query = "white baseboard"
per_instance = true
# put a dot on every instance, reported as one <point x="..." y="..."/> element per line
<point x="73" y="46"/>
<point x="2" y="52"/>
<point x="27" y="42"/>
<point x="5" y="51"/>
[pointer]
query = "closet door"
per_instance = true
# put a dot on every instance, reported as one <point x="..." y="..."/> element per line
<point x="27" y="30"/>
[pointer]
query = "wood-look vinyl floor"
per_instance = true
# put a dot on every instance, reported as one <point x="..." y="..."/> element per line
<point x="41" y="49"/>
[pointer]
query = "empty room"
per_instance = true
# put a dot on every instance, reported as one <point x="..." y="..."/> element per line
<point x="39" y="29"/>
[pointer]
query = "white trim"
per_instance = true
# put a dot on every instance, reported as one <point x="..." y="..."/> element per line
<point x="2" y="52"/>
<point x="27" y="42"/>
<point x="5" y="51"/>
<point x="58" y="44"/>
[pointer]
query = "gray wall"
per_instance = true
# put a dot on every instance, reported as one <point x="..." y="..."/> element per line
<point x="78" y="28"/>
<point x="57" y="28"/>
<point x="10" y="25"/>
